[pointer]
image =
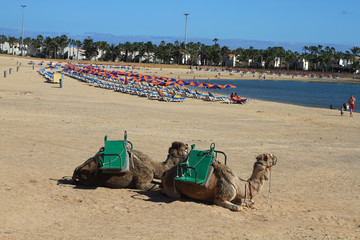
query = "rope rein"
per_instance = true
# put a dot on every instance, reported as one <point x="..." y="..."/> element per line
<point x="269" y="193"/>
<point x="248" y="193"/>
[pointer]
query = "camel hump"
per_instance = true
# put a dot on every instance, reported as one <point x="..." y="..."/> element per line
<point x="223" y="171"/>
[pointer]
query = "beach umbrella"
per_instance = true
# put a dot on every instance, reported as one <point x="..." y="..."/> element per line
<point x="216" y="86"/>
<point x="160" y="83"/>
<point x="200" y="85"/>
<point x="192" y="83"/>
<point x="229" y="86"/>
<point x="172" y="84"/>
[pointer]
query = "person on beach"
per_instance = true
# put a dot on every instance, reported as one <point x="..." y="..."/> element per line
<point x="351" y="102"/>
<point x="236" y="99"/>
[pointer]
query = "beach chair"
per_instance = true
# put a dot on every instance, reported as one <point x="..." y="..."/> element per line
<point x="189" y="93"/>
<point x="212" y="97"/>
<point x="198" y="167"/>
<point x="200" y="95"/>
<point x="168" y="98"/>
<point x="114" y="156"/>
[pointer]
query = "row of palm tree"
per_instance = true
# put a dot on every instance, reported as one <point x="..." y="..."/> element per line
<point x="319" y="58"/>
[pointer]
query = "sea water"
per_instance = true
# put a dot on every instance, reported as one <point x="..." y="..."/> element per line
<point x="308" y="94"/>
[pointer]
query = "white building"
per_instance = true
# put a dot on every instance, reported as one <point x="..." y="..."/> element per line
<point x="14" y="49"/>
<point x="229" y="61"/>
<point x="345" y="62"/>
<point x="74" y="53"/>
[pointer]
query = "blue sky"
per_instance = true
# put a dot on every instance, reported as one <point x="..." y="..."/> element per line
<point x="236" y="23"/>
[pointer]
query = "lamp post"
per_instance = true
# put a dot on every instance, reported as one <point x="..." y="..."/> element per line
<point x="186" y="14"/>
<point x="22" y="34"/>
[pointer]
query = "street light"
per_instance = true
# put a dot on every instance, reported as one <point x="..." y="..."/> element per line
<point x="22" y="35"/>
<point x="186" y="14"/>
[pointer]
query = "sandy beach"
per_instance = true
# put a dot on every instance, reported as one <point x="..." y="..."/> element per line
<point x="47" y="131"/>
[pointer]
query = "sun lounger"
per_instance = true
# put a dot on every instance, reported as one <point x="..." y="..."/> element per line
<point x="212" y="97"/>
<point x="189" y="93"/>
<point x="168" y="98"/>
<point x="200" y="95"/>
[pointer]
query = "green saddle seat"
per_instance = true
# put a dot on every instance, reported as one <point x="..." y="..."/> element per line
<point x="198" y="168"/>
<point x="114" y="157"/>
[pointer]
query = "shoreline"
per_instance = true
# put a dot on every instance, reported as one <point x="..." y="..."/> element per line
<point x="186" y="74"/>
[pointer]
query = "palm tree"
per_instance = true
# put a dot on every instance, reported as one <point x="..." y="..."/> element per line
<point x="3" y="39"/>
<point x="160" y="52"/>
<point x="215" y="40"/>
<point x="289" y="58"/>
<point x="27" y="42"/>
<point x="204" y="54"/>
<point x="354" y="53"/>
<point x="193" y="51"/>
<point x="250" y="54"/>
<point x="50" y="46"/>
<point x="224" y="51"/>
<point x="111" y="53"/>
<point x="78" y="45"/>
<point x="62" y="42"/>
<point x="149" y="48"/>
<point x="37" y="43"/>
<point x="128" y="47"/>
<point x="215" y="53"/>
<point x="177" y="51"/>
<point x="102" y="46"/>
<point x="90" y="48"/>
<point x="240" y="56"/>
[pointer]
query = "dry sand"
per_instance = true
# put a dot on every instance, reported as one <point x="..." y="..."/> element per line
<point x="46" y="131"/>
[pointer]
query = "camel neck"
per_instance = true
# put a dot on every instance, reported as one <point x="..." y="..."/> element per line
<point x="160" y="168"/>
<point x="257" y="181"/>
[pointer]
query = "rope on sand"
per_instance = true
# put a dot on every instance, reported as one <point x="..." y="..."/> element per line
<point x="269" y="193"/>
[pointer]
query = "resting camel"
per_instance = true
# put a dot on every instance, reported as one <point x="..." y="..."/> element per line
<point x="225" y="188"/>
<point x="141" y="173"/>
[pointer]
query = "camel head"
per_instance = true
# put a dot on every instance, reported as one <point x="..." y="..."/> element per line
<point x="264" y="162"/>
<point x="266" y="159"/>
<point x="178" y="149"/>
<point x="177" y="153"/>
<point x="86" y="173"/>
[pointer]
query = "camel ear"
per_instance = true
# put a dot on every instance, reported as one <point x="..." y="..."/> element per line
<point x="259" y="157"/>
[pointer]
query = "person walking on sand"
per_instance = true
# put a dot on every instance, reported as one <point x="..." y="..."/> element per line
<point x="351" y="102"/>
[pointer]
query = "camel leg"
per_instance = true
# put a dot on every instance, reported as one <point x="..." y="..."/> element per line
<point x="168" y="183"/>
<point x="147" y="186"/>
<point x="237" y="201"/>
<point x="225" y="193"/>
<point x="227" y="204"/>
